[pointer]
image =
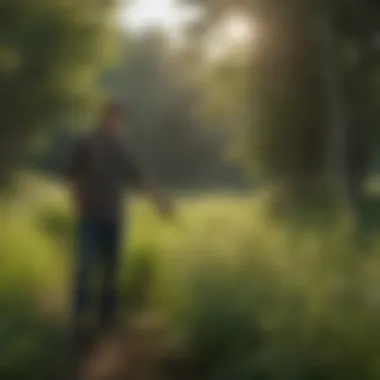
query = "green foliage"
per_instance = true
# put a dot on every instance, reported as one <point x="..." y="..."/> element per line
<point x="295" y="304"/>
<point x="248" y="295"/>
<point x="32" y="346"/>
<point x="56" y="222"/>
<point x="50" y="58"/>
<point x="292" y="139"/>
<point x="28" y="256"/>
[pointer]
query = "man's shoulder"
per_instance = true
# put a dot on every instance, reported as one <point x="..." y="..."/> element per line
<point x="84" y="138"/>
<point x="128" y="148"/>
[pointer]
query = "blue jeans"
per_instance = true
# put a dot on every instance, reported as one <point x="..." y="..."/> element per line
<point x="98" y="243"/>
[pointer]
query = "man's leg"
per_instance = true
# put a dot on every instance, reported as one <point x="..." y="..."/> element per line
<point x="86" y="246"/>
<point x="110" y="260"/>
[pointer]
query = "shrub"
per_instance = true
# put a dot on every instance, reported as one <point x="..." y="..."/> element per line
<point x="297" y="309"/>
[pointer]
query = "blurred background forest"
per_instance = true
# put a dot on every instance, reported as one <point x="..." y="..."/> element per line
<point x="261" y="118"/>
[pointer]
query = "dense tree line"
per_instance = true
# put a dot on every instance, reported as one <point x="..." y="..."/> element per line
<point x="301" y="104"/>
<point x="314" y="90"/>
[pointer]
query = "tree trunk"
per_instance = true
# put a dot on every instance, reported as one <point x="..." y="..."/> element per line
<point x="360" y="129"/>
<point x="358" y="158"/>
<point x="335" y="105"/>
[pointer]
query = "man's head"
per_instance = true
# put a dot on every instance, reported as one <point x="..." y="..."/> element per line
<point x="112" y="118"/>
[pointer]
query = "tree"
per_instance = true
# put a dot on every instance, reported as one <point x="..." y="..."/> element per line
<point x="284" y="143"/>
<point x="50" y="57"/>
<point x="358" y="26"/>
<point x="313" y="94"/>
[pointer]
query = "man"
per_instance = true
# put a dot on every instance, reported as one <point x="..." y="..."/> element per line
<point x="99" y="168"/>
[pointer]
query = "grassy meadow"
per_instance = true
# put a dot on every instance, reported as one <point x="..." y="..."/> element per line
<point x="249" y="296"/>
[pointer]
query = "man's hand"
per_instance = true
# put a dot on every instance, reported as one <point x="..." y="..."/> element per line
<point x="165" y="207"/>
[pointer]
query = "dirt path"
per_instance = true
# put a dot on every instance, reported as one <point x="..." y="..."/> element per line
<point x="110" y="356"/>
<point x="136" y="353"/>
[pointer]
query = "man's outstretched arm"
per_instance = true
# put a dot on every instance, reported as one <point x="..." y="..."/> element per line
<point x="162" y="202"/>
<point x="150" y="189"/>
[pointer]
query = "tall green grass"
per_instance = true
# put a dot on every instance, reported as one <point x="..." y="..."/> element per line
<point x="247" y="295"/>
<point x="287" y="304"/>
